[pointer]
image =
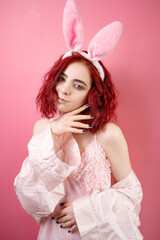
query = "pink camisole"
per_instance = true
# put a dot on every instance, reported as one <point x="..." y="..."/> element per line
<point x="93" y="174"/>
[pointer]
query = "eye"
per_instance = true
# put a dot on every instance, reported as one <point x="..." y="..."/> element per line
<point x="78" y="86"/>
<point x="61" y="79"/>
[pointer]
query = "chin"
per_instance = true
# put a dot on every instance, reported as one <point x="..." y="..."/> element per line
<point x="62" y="108"/>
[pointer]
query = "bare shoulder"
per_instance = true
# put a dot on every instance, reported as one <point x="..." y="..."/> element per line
<point x="40" y="125"/>
<point x="111" y="133"/>
<point x="114" y="144"/>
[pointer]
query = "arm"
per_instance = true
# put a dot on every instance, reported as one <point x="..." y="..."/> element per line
<point x="114" y="212"/>
<point x="39" y="185"/>
<point x="53" y="155"/>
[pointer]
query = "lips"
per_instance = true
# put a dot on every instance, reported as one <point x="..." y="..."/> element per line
<point x="61" y="100"/>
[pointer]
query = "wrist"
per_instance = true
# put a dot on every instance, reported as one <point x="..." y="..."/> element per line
<point x="51" y="128"/>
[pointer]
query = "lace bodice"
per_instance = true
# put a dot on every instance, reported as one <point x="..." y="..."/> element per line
<point x="94" y="171"/>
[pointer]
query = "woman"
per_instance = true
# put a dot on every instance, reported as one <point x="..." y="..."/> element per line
<point x="65" y="182"/>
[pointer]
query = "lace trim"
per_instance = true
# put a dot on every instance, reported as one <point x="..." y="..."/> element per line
<point x="94" y="172"/>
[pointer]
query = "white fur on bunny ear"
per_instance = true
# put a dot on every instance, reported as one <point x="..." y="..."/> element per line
<point x="105" y="41"/>
<point x="72" y="26"/>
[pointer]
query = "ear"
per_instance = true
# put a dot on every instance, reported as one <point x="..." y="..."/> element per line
<point x="72" y="26"/>
<point x="105" y="41"/>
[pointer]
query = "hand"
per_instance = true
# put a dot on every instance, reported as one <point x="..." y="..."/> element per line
<point x="66" y="217"/>
<point x="69" y="122"/>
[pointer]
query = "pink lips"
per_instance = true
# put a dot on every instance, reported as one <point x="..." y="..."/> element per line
<point x="60" y="100"/>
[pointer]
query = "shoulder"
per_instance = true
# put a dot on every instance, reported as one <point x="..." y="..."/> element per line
<point x="114" y="144"/>
<point x="40" y="125"/>
<point x="111" y="133"/>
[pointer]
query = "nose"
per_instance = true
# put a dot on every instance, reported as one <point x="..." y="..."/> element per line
<point x="66" y="90"/>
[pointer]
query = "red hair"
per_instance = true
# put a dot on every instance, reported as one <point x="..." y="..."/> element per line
<point x="101" y="97"/>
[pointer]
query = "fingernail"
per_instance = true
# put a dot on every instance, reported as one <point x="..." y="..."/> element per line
<point x="69" y="231"/>
<point x="62" y="203"/>
<point x="57" y="222"/>
<point x="92" y="116"/>
<point x="90" y="126"/>
<point x="84" y="130"/>
<point x="87" y="104"/>
<point x="52" y="218"/>
<point x="61" y="226"/>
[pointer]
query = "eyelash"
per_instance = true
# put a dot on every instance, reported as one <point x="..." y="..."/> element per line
<point x="77" y="86"/>
<point x="60" y="79"/>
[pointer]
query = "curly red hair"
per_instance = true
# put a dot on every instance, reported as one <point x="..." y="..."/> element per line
<point x="101" y="97"/>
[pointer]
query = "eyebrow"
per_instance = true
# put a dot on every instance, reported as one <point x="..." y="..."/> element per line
<point x="77" y="80"/>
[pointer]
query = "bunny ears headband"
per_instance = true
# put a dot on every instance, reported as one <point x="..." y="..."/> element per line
<point x="100" y="46"/>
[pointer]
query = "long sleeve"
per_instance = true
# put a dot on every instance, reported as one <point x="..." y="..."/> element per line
<point x="39" y="184"/>
<point x="112" y="214"/>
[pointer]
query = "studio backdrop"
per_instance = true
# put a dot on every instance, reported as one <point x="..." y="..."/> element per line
<point x="31" y="40"/>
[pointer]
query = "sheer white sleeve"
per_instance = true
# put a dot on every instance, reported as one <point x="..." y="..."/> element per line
<point x="39" y="184"/>
<point x="112" y="214"/>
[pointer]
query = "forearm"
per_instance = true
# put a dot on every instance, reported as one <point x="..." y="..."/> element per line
<point x="39" y="185"/>
<point x="112" y="212"/>
<point x="33" y="193"/>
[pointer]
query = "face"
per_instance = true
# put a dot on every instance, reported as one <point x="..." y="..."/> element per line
<point x="72" y="87"/>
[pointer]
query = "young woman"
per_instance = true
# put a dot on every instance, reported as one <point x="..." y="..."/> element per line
<point x="65" y="182"/>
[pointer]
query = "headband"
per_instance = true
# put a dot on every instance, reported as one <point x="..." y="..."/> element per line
<point x="101" y="45"/>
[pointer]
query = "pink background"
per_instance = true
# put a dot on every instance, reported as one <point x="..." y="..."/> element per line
<point x="31" y="40"/>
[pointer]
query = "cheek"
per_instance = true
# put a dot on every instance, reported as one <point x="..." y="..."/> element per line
<point x="59" y="85"/>
<point x="83" y="98"/>
<point x="57" y="88"/>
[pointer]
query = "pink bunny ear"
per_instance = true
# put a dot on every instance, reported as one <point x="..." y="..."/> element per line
<point x="105" y="41"/>
<point x="72" y="26"/>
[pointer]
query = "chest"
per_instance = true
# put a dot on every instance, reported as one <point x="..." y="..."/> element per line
<point x="94" y="171"/>
<point x="83" y="141"/>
